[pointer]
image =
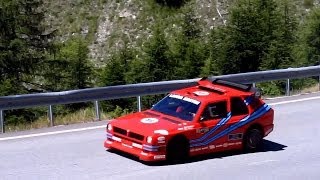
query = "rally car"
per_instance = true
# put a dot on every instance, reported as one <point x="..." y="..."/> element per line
<point x="215" y="115"/>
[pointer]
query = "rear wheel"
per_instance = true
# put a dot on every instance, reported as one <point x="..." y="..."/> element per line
<point x="253" y="139"/>
<point x="178" y="149"/>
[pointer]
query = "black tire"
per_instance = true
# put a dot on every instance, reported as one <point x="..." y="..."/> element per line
<point x="178" y="149"/>
<point x="252" y="140"/>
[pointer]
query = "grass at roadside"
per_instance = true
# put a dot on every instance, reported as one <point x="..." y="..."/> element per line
<point x="81" y="116"/>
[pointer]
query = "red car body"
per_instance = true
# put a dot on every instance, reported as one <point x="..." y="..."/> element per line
<point x="215" y="116"/>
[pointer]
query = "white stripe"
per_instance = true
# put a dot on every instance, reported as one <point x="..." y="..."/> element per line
<point x="51" y="133"/>
<point x="294" y="101"/>
<point x="116" y="138"/>
<point x="137" y="145"/>
<point x="103" y="126"/>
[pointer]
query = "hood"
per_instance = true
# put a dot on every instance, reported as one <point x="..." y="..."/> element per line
<point x="147" y="123"/>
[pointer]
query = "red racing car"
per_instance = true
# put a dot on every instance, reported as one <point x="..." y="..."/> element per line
<point x="215" y="115"/>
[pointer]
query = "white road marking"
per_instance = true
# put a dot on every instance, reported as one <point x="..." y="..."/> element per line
<point x="293" y="101"/>
<point x="103" y="126"/>
<point x="295" y="95"/>
<point x="51" y="133"/>
<point x="262" y="162"/>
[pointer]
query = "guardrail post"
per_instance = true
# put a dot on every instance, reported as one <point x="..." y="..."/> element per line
<point x="2" y="122"/>
<point x="50" y="115"/>
<point x="254" y="85"/>
<point x="139" y="103"/>
<point x="288" y="87"/>
<point x="319" y="83"/>
<point x="97" y="110"/>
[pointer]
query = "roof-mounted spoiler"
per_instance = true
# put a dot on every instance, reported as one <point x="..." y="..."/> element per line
<point x="235" y="85"/>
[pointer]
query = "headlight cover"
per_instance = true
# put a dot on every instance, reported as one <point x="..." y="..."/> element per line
<point x="149" y="139"/>
<point x="109" y="127"/>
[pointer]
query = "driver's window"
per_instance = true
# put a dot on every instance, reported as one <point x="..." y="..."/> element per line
<point x="215" y="110"/>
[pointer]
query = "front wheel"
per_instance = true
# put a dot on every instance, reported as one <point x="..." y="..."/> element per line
<point x="178" y="149"/>
<point x="252" y="139"/>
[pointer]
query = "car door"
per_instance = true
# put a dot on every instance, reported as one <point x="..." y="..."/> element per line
<point x="213" y="120"/>
<point x="234" y="130"/>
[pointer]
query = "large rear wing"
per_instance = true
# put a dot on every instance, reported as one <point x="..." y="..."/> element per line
<point x="238" y="86"/>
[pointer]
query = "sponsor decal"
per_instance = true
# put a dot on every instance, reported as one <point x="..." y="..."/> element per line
<point x="224" y="145"/>
<point x="203" y="130"/>
<point x="137" y="145"/>
<point x="201" y="93"/>
<point x="176" y="96"/>
<point x="237" y="136"/>
<point x="149" y="120"/>
<point x="159" y="156"/>
<point x="191" y="100"/>
<point x="185" y="99"/>
<point x="144" y="154"/>
<point x="186" y="128"/>
<point x="161" y="131"/>
<point x="126" y="145"/>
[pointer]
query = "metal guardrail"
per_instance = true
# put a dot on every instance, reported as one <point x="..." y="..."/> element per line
<point x="137" y="90"/>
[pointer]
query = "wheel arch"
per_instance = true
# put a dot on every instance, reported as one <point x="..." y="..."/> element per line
<point x="256" y="125"/>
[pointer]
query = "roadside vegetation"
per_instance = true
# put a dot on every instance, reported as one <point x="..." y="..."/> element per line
<point x="176" y="43"/>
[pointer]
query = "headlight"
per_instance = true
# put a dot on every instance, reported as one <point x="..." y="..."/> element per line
<point x="109" y="127"/>
<point x="149" y="139"/>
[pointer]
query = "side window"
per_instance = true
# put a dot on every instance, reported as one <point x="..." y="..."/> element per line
<point x="215" y="110"/>
<point x="238" y="107"/>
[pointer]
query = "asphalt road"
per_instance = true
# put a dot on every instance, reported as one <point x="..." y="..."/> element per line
<point x="292" y="151"/>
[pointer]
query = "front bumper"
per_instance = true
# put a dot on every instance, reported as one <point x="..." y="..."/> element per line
<point x="143" y="151"/>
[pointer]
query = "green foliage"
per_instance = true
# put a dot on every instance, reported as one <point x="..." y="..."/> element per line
<point x="310" y="38"/>
<point x="69" y="68"/>
<point x="23" y="41"/>
<point x="118" y="111"/>
<point x="156" y="63"/>
<point x="249" y="34"/>
<point x="216" y="52"/>
<point x="280" y="52"/>
<point x="114" y="74"/>
<point x="191" y="52"/>
<point x="308" y="3"/>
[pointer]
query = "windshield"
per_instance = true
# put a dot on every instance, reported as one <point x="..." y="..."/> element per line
<point x="178" y="106"/>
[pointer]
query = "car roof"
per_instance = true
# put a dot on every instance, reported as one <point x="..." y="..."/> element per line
<point x="212" y="90"/>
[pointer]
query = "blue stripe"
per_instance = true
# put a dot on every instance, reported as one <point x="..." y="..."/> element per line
<point x="220" y="123"/>
<point x="265" y="108"/>
<point x="150" y="148"/>
<point x="247" y="101"/>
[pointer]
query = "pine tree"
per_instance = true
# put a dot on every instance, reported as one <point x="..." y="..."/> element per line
<point x="157" y="57"/>
<point x="23" y="41"/>
<point x="190" y="54"/>
<point x="310" y="38"/>
<point x="280" y="52"/>
<point x="248" y="35"/>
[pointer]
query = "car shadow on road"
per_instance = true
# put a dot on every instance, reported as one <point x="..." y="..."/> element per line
<point x="267" y="147"/>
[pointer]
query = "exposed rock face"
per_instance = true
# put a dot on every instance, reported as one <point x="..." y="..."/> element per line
<point x="113" y="23"/>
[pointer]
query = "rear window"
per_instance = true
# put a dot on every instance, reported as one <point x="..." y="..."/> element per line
<point x="254" y="102"/>
<point x="238" y="106"/>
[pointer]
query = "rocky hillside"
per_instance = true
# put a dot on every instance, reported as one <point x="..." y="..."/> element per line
<point x="108" y="24"/>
